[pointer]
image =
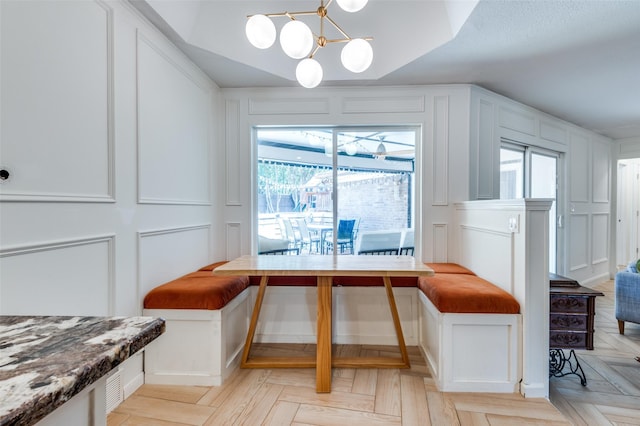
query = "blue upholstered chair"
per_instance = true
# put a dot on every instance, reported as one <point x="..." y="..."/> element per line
<point x="627" y="296"/>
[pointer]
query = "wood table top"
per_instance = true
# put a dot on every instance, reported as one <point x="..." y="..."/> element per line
<point x="330" y="265"/>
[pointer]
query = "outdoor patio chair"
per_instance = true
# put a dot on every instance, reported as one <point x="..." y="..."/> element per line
<point x="344" y="238"/>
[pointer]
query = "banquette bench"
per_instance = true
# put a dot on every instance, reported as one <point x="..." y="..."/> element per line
<point x="207" y="320"/>
<point x="206" y="323"/>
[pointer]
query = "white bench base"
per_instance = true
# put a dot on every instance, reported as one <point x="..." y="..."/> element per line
<point x="465" y="352"/>
<point x="471" y="352"/>
<point x="199" y="347"/>
<point x="361" y="315"/>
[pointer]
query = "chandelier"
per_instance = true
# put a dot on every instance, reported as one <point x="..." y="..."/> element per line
<point x="297" y="40"/>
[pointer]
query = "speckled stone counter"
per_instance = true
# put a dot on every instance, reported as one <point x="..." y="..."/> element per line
<point x="44" y="361"/>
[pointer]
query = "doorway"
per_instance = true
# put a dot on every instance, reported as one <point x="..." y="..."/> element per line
<point x="628" y="212"/>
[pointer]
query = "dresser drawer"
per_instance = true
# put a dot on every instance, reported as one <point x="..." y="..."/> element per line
<point x="566" y="304"/>
<point x="576" y="322"/>
<point x="568" y="339"/>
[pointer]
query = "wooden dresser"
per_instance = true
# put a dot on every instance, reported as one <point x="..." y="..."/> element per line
<point x="571" y="314"/>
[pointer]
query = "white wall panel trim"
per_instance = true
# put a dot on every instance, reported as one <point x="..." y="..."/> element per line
<point x="232" y="152"/>
<point x="579" y="165"/>
<point x="163" y="231"/>
<point x="440" y="240"/>
<point x="580" y="220"/>
<point x="484" y="180"/>
<point x="600" y="173"/>
<point x="8" y="194"/>
<point x="600" y="238"/>
<point x="282" y="106"/>
<point x="553" y="132"/>
<point x="233" y="236"/>
<point x="109" y="239"/>
<point x="160" y="232"/>
<point x="386" y="104"/>
<point x="203" y="199"/>
<point x="440" y="178"/>
<point x="201" y="83"/>
<point x="517" y="120"/>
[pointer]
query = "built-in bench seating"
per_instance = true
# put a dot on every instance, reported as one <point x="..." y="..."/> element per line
<point x="207" y="318"/>
<point x="470" y="331"/>
<point x="206" y="324"/>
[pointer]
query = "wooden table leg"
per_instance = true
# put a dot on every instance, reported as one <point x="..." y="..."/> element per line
<point x="396" y="321"/>
<point x="254" y="321"/>
<point x="323" y="350"/>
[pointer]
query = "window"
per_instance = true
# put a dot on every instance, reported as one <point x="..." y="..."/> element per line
<point x="330" y="190"/>
<point x="527" y="171"/>
<point x="511" y="172"/>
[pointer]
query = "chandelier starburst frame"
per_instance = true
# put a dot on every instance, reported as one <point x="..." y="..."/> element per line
<point x="297" y="40"/>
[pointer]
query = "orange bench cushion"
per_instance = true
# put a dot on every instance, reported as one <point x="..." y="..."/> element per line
<point x="449" y="268"/>
<point x="310" y="281"/>
<point x="374" y="281"/>
<point x="213" y="266"/>
<point x="197" y="290"/>
<point x="286" y="280"/>
<point x="464" y="293"/>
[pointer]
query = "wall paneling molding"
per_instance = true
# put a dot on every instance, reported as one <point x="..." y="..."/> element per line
<point x="440" y="247"/>
<point x="63" y="158"/>
<point x="59" y="278"/>
<point x="173" y="159"/>
<point x="440" y="167"/>
<point x="386" y="104"/>
<point x="232" y="152"/>
<point x="233" y="234"/>
<point x="286" y="106"/>
<point x="165" y="254"/>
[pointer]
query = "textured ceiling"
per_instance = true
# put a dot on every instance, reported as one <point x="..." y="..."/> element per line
<point x="575" y="59"/>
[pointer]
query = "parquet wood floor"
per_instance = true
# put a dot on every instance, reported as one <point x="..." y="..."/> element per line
<point x="612" y="394"/>
<point x="401" y="397"/>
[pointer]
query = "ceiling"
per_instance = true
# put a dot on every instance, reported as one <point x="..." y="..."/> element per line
<point x="578" y="60"/>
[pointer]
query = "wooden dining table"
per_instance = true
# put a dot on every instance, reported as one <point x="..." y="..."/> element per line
<point x="324" y="268"/>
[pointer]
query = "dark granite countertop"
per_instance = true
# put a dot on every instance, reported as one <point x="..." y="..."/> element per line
<point x="44" y="361"/>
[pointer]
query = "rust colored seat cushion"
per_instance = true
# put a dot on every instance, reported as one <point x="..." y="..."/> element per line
<point x="310" y="281"/>
<point x="449" y="268"/>
<point x="464" y="293"/>
<point x="286" y="280"/>
<point x="197" y="290"/>
<point x="213" y="266"/>
<point x="374" y="281"/>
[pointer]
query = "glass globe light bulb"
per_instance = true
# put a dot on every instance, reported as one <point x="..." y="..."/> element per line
<point x="260" y="31"/>
<point x="357" y="55"/>
<point x="309" y="73"/>
<point x="296" y="39"/>
<point x="351" y="149"/>
<point x="352" y="5"/>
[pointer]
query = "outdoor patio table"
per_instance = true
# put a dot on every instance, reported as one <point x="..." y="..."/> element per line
<point x="323" y="230"/>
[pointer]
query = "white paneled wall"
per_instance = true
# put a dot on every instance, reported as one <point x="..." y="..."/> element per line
<point x="165" y="254"/>
<point x="57" y="105"/>
<point x="589" y="208"/>
<point x="59" y="278"/>
<point x="107" y="131"/>
<point x="442" y="112"/>
<point x="585" y="170"/>
<point x="174" y="117"/>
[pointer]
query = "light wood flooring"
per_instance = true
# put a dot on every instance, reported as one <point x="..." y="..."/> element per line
<point x="402" y="397"/>
<point x="612" y="394"/>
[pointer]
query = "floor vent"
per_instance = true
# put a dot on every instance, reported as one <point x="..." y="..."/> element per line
<point x="114" y="391"/>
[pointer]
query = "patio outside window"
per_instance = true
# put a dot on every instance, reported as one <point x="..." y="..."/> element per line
<point x="336" y="190"/>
